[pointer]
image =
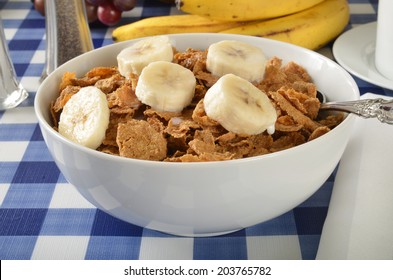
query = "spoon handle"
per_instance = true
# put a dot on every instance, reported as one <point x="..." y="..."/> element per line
<point x="368" y="108"/>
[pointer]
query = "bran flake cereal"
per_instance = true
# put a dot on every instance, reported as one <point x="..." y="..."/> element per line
<point x="137" y="131"/>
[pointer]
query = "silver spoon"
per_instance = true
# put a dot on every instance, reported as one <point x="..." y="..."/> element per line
<point x="367" y="108"/>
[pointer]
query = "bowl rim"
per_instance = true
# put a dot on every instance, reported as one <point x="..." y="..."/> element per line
<point x="45" y="125"/>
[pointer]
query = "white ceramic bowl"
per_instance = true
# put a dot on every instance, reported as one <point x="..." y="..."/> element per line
<point x="201" y="199"/>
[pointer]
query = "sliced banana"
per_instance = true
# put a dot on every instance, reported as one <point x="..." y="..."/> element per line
<point x="241" y="59"/>
<point x="85" y="117"/>
<point x="166" y="86"/>
<point x="239" y="106"/>
<point x="133" y="59"/>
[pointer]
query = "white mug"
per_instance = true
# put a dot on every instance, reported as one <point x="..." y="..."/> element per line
<point x="384" y="39"/>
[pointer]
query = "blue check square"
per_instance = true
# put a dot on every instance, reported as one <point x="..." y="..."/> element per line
<point x="36" y="172"/>
<point x="21" y="221"/>
<point x="37" y="135"/>
<point x="7" y="171"/>
<point x="16" y="132"/>
<point x="28" y="196"/>
<point x="113" y="248"/>
<point x="221" y="248"/>
<point x="76" y="221"/>
<point x="282" y="225"/>
<point x="106" y="225"/>
<point x="33" y="23"/>
<point x="310" y="220"/>
<point x="309" y="246"/>
<point x="37" y="151"/>
<point x="17" y="247"/>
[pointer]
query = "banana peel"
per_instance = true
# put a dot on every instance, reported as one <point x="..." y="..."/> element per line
<point x="244" y="10"/>
<point x="170" y="25"/>
<point x="311" y="28"/>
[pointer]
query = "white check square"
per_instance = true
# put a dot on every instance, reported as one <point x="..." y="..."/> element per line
<point x="160" y="248"/>
<point x="67" y="196"/>
<point x="60" y="248"/>
<point x="19" y="115"/>
<point x="12" y="151"/>
<point x="284" y="247"/>
<point x="3" y="191"/>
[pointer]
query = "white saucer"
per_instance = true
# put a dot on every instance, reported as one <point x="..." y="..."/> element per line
<point x="355" y="51"/>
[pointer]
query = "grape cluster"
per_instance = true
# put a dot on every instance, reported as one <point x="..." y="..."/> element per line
<point x="106" y="11"/>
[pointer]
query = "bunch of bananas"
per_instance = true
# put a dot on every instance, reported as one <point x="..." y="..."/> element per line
<point x="307" y="23"/>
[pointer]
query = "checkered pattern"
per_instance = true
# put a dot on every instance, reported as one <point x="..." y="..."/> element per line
<point x="42" y="216"/>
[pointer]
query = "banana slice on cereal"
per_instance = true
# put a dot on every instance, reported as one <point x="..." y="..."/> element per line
<point x="134" y="58"/>
<point x="239" y="58"/>
<point x="85" y="117"/>
<point x="166" y="86"/>
<point x="239" y="106"/>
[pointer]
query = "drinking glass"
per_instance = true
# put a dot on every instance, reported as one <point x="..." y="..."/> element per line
<point x="12" y="92"/>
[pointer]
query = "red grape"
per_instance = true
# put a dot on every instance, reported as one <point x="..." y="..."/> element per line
<point x="124" y="5"/>
<point x="39" y="5"/>
<point x="91" y="12"/>
<point x="108" y="14"/>
<point x="106" y="11"/>
<point x="96" y="2"/>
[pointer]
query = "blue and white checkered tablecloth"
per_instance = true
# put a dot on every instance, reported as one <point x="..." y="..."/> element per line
<point x="42" y="216"/>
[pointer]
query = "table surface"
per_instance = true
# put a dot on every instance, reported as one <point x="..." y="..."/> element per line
<point x="42" y="216"/>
